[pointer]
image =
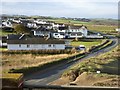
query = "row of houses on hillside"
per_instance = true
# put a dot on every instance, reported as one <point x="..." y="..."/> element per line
<point x="67" y="32"/>
<point x="31" y="23"/>
<point x="56" y="30"/>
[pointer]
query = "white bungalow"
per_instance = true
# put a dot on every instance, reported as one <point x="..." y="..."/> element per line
<point x="7" y="24"/>
<point x="57" y="35"/>
<point x="31" y="25"/>
<point x="78" y="29"/>
<point x="35" y="44"/>
<point x="118" y="29"/>
<point x="16" y="20"/>
<point x="40" y="21"/>
<point x="3" y="41"/>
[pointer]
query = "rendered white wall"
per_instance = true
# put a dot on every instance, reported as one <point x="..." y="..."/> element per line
<point x="35" y="46"/>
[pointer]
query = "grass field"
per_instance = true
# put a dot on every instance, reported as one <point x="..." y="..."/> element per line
<point x="3" y="33"/>
<point x="14" y="61"/>
<point x="103" y="28"/>
<point x="86" y="44"/>
<point x="69" y="21"/>
<point x="3" y="49"/>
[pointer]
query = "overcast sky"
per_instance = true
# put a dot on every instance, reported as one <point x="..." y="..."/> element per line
<point x="62" y="8"/>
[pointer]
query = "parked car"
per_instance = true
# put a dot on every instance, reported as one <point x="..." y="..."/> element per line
<point x="57" y="35"/>
<point x="81" y="47"/>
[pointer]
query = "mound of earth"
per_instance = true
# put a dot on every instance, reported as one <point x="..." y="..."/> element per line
<point x="89" y="79"/>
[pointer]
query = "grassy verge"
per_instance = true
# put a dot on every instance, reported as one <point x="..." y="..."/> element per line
<point x="106" y="63"/>
<point x="103" y="45"/>
<point x="28" y="70"/>
<point x="18" y="61"/>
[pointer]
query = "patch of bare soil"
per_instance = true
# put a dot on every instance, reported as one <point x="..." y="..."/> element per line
<point x="89" y="79"/>
<point x="61" y="81"/>
<point x="115" y="82"/>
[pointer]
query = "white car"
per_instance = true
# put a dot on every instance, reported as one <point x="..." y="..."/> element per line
<point x="82" y="47"/>
<point x="57" y="35"/>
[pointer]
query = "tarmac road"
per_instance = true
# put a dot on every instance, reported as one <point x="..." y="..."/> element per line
<point x="50" y="74"/>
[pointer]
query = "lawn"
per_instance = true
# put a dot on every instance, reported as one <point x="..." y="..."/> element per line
<point x="86" y="44"/>
<point x="3" y="33"/>
<point x="3" y="49"/>
<point x="70" y="21"/>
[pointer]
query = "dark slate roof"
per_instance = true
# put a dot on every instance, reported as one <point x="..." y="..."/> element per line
<point x="63" y="28"/>
<point x="13" y="37"/>
<point x="36" y="41"/>
<point x="16" y="37"/>
<point x="39" y="24"/>
<point x="76" y="27"/>
<point x="43" y="29"/>
<point x="78" y="33"/>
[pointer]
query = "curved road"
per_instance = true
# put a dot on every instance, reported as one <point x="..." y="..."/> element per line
<point x="50" y="74"/>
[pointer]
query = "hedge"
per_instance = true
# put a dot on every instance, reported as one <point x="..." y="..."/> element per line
<point x="37" y="52"/>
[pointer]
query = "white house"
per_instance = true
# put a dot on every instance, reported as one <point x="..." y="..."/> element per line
<point x="16" y="20"/>
<point x="57" y="25"/>
<point x="57" y="35"/>
<point x="31" y="25"/>
<point x="118" y="29"/>
<point x="75" y="35"/>
<point x="35" y="44"/>
<point x="92" y="34"/>
<point x="3" y="41"/>
<point x="40" y="21"/>
<point x="41" y="31"/>
<point x="78" y="29"/>
<point x="7" y="24"/>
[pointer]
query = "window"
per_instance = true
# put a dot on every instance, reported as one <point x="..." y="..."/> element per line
<point x="53" y="45"/>
<point x="19" y="45"/>
<point x="56" y="34"/>
<point x="28" y="46"/>
<point x="49" y="45"/>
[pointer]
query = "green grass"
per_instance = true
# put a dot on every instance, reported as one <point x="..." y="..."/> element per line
<point x="106" y="63"/>
<point x="86" y="44"/>
<point x="3" y="33"/>
<point x="103" y="28"/>
<point x="69" y="21"/>
<point x="3" y="49"/>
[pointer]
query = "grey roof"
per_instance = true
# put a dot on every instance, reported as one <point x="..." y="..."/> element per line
<point x="36" y="41"/>
<point x="76" y="27"/>
<point x="16" y="37"/>
<point x="13" y="37"/>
